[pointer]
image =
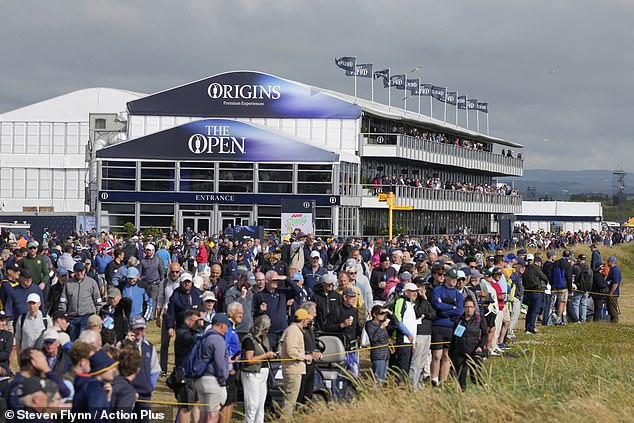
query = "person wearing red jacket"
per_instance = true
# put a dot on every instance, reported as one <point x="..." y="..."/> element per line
<point x="202" y="256"/>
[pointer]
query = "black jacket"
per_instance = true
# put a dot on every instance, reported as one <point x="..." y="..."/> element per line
<point x="474" y="336"/>
<point x="334" y="320"/>
<point x="425" y="309"/>
<point x="185" y="339"/>
<point x="534" y="278"/>
<point x="6" y="346"/>
<point x="327" y="302"/>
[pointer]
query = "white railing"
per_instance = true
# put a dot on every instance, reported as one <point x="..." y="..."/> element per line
<point x="437" y="152"/>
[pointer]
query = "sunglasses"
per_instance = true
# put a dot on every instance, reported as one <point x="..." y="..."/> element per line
<point x="352" y="273"/>
<point x="175" y="271"/>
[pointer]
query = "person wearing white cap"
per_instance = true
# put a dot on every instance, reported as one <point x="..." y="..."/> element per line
<point x="31" y="324"/>
<point x="359" y="280"/>
<point x="405" y="316"/>
<point x="58" y="359"/>
<point x="152" y="271"/>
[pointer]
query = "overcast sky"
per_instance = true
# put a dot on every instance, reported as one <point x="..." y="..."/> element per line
<point x="558" y="75"/>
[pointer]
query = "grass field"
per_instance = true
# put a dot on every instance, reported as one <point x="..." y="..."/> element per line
<point x="577" y="372"/>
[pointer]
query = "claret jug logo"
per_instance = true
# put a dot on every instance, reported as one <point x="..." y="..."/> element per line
<point x="217" y="140"/>
<point x="244" y="92"/>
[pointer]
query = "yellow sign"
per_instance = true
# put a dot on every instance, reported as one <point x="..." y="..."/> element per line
<point x="402" y="207"/>
<point x="390" y="199"/>
<point x="382" y="197"/>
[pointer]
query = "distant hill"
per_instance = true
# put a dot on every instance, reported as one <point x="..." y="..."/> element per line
<point x="561" y="183"/>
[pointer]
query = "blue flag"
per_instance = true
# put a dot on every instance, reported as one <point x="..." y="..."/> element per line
<point x="438" y="93"/>
<point x="472" y="104"/>
<point x="451" y="97"/>
<point x="424" y="90"/>
<point x="346" y="63"/>
<point x="412" y="85"/>
<point x="462" y="102"/>
<point x="398" y="81"/>
<point x="483" y="107"/>
<point x="362" y="71"/>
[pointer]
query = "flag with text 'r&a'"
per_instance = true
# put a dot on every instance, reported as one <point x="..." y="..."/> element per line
<point x="362" y="71"/>
<point x="424" y="90"/>
<point x="398" y="81"/>
<point x="412" y="85"/>
<point x="346" y="63"/>
<point x="472" y="104"/>
<point x="438" y="93"/>
<point x="462" y="102"/>
<point x="451" y="97"/>
<point x="483" y="107"/>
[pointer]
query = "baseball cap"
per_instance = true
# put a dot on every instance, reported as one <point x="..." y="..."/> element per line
<point x="328" y="279"/>
<point x="384" y="257"/>
<point x="138" y="322"/>
<point x="612" y="259"/>
<point x="301" y="235"/>
<point x="33" y="298"/>
<point x="276" y="249"/>
<point x="132" y="273"/>
<point x="101" y="362"/>
<point x="581" y="257"/>
<point x="35" y="384"/>
<point x="59" y="314"/>
<point x="221" y="318"/>
<point x="405" y="276"/>
<point x="530" y="257"/>
<point x="410" y="287"/>
<point x="25" y="273"/>
<point x="13" y="266"/>
<point x="490" y="258"/>
<point x="452" y="273"/>
<point x="62" y="271"/>
<point x="31" y="245"/>
<point x="50" y="335"/>
<point x="297" y="276"/>
<point x="521" y="252"/>
<point x="94" y="321"/>
<point x="113" y="292"/>
<point x="149" y="247"/>
<point x="3" y="315"/>
<point x="314" y="254"/>
<point x="302" y="314"/>
<point x="349" y="292"/>
<point x="475" y="274"/>
<point x="185" y="277"/>
<point x="208" y="296"/>
<point x="135" y="238"/>
<point x="461" y="274"/>
<point x="497" y="271"/>
<point x="521" y="262"/>
<point x="78" y="267"/>
<point x="487" y="272"/>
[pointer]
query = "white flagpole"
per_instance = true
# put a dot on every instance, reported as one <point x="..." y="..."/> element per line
<point x="389" y="88"/>
<point x="372" y="83"/>
<point x="444" y="116"/>
<point x="431" y="104"/>
<point x="487" y="121"/>
<point x="478" y="118"/>
<point x="466" y="108"/>
<point x="418" y="92"/>
<point x="405" y="92"/>
<point x="355" y="82"/>
<point x="456" y="108"/>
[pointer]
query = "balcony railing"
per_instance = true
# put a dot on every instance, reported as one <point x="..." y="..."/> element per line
<point x="444" y="199"/>
<point x="406" y="146"/>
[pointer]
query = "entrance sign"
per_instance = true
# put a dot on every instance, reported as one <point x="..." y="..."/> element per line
<point x="245" y="94"/>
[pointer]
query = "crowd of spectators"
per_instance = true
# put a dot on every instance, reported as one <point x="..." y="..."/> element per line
<point x="387" y="184"/>
<point x="75" y="310"/>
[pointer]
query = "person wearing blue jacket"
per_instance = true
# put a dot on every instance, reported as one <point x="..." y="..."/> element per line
<point x="212" y="385"/>
<point x="562" y="284"/>
<point x="272" y="301"/>
<point x="448" y="302"/>
<point x="137" y="294"/>
<point x="185" y="297"/>
<point x="90" y="396"/>
<point x="16" y="302"/>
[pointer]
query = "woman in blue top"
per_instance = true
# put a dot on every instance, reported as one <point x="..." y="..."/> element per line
<point x="448" y="302"/>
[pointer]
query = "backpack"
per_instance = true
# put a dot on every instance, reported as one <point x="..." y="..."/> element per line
<point x="194" y="366"/>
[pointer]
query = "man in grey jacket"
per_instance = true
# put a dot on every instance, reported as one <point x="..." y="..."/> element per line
<point x="80" y="299"/>
<point x="243" y="294"/>
<point x="152" y="272"/>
